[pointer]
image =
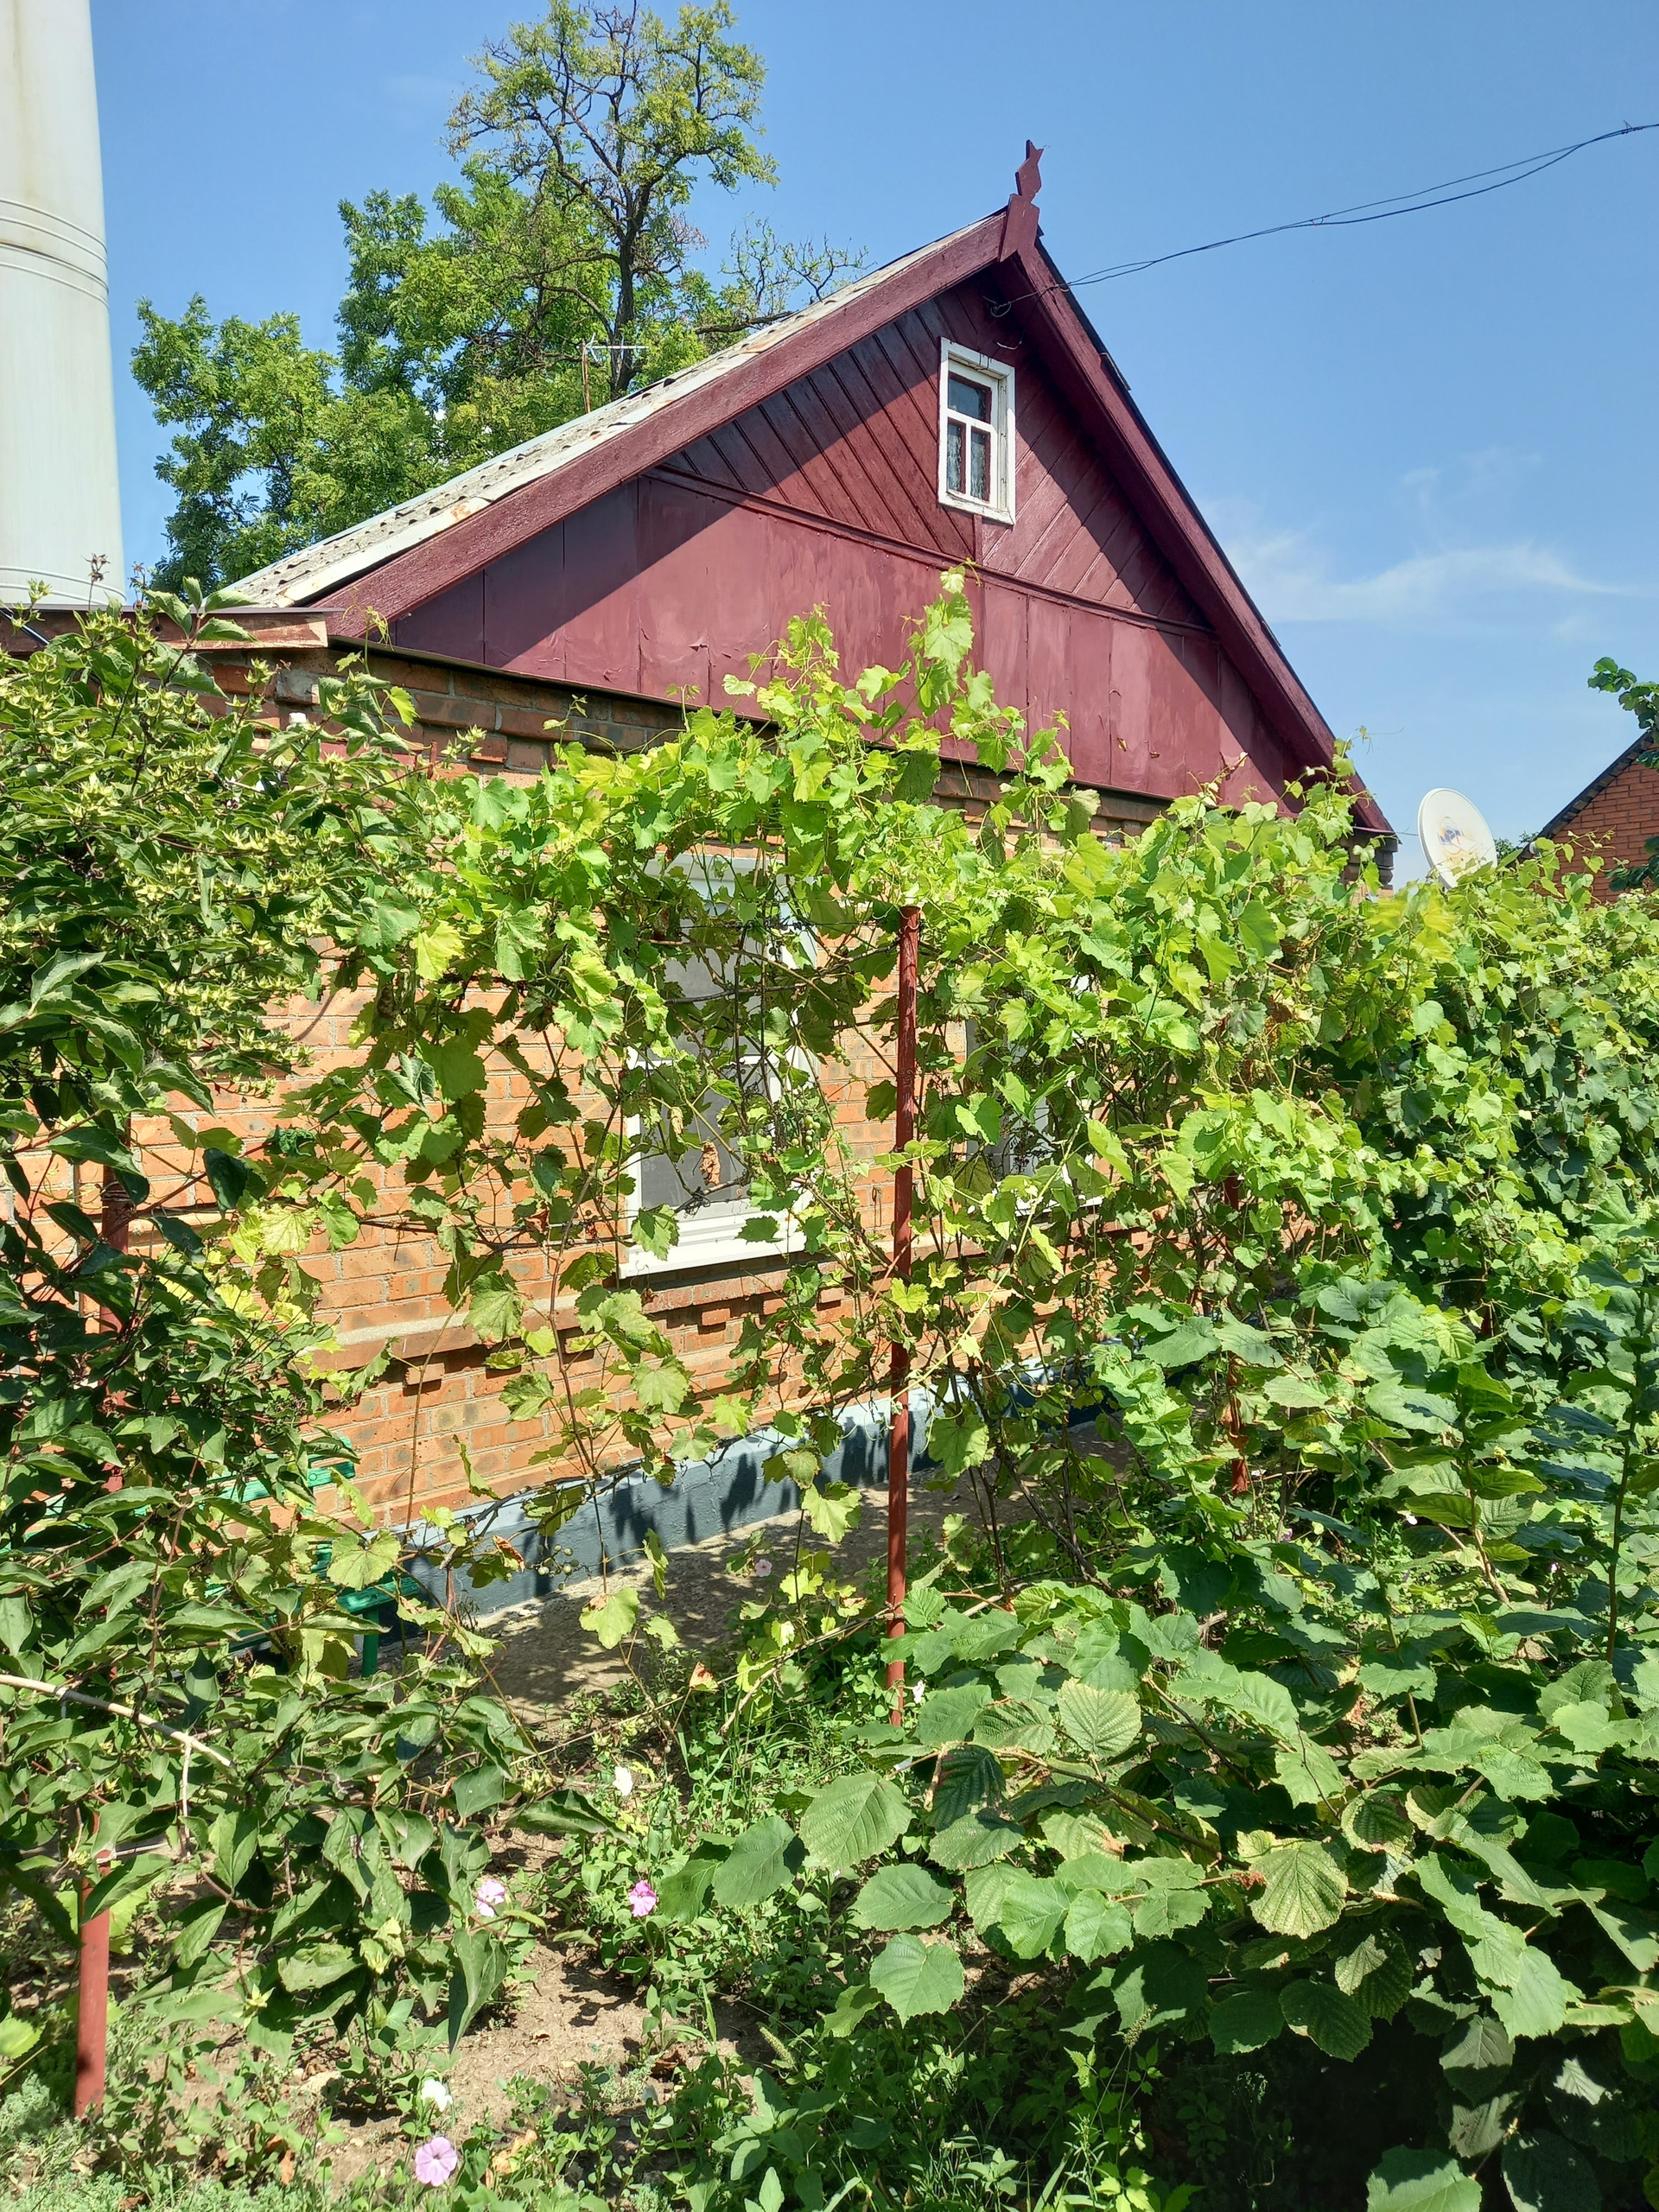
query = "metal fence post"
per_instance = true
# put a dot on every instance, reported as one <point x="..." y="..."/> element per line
<point x="92" y="2020"/>
<point x="904" y="1129"/>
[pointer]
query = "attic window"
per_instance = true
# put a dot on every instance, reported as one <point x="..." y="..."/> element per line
<point x="975" y="433"/>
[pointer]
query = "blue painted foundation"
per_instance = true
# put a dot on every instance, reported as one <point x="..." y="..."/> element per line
<point x="710" y="1497"/>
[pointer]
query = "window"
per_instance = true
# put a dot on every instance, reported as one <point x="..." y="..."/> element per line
<point x="975" y="433"/>
<point x="706" y="1184"/>
<point x="698" y="1174"/>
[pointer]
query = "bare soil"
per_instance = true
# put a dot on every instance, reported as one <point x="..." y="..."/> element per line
<point x="547" y="1658"/>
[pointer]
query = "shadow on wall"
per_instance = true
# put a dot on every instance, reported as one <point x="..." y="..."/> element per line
<point x="710" y="1497"/>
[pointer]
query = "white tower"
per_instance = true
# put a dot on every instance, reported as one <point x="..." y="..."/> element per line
<point x="60" y="495"/>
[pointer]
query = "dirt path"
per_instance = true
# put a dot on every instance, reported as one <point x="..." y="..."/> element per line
<point x="546" y="1657"/>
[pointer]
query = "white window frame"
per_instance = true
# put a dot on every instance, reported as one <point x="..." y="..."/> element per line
<point x="708" y="1239"/>
<point x="715" y="1238"/>
<point x="1000" y="376"/>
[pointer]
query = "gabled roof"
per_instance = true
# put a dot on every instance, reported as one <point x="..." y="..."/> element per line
<point x="395" y="561"/>
<point x="316" y="569"/>
<point x="1633" y="753"/>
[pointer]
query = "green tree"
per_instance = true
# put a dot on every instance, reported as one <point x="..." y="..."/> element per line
<point x="559" y="272"/>
<point x="176" y="1609"/>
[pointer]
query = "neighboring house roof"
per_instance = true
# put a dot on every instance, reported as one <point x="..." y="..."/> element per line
<point x="1628" y="759"/>
<point x="396" y="561"/>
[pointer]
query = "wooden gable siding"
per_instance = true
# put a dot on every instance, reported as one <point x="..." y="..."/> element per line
<point x="825" y="494"/>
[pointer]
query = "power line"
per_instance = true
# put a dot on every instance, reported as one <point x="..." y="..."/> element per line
<point x="1478" y="182"/>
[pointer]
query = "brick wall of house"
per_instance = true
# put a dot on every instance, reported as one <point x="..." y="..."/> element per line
<point x="1614" y="820"/>
<point x="407" y="1430"/>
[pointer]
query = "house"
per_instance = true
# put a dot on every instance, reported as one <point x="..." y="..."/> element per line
<point x="1616" y="816"/>
<point x="953" y="409"/>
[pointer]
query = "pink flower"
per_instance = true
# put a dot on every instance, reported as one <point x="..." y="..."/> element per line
<point x="763" y="1566"/>
<point x="490" y="1893"/>
<point x="436" y="2161"/>
<point x="643" y="1898"/>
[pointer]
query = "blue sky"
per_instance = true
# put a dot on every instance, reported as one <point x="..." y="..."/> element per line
<point x="1430" y="445"/>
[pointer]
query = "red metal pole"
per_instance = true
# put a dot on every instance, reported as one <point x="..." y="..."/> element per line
<point x="92" y="2023"/>
<point x="904" y="1129"/>
<point x="92" y="2027"/>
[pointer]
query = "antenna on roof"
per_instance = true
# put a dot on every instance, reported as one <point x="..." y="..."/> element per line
<point x="1453" y="835"/>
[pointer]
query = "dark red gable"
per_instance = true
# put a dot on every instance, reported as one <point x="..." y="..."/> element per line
<point x="659" y="561"/>
<point x="825" y="494"/>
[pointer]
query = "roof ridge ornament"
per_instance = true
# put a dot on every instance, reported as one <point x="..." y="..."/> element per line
<point x="1019" y="224"/>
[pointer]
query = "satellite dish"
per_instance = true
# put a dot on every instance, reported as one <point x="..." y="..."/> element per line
<point x="1453" y="832"/>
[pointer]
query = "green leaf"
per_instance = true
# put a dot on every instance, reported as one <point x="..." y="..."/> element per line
<point x="1636" y="1933"/>
<point x="1258" y="930"/>
<point x="831" y="1509"/>
<point x="481" y="1964"/>
<point x="1194" y="1340"/>
<point x="1320" y="2011"/>
<point x="947" y="1716"/>
<point x="611" y="1620"/>
<point x="1484" y="2047"/>
<point x="760" y="1862"/>
<point x="233" y="1840"/>
<point x="436" y="949"/>
<point x="854" y="1818"/>
<point x="1161" y="1911"/>
<point x="1383" y="1678"/>
<point x="1376" y="1974"/>
<point x="361" y="1566"/>
<point x="314" y="1966"/>
<point x="495" y="1309"/>
<point x="1307" y="1773"/>
<point x="1254" y="1346"/>
<point x="1303" y="1887"/>
<point x="917" y="1977"/>
<point x="1536" y="2001"/>
<point x="680" y="1895"/>
<point x="1159" y="1984"/>
<point x="1246" y="2021"/>
<point x="901" y="1897"/>
<point x="1103" y="1723"/>
<point x="1096" y="1927"/>
<point x="967" y="1778"/>
<point x="977" y="1840"/>
<point x="1296" y="1393"/>
<point x="1025" y="1910"/>
<point x="1403" y="1406"/>
<point x="1013" y="1724"/>
<point x="1544" y="2173"/>
<point x="476" y="1790"/>
<point x="850" y="2009"/>
<point x="232" y="1181"/>
<point x="563" y="1812"/>
<point x="1420" y="2181"/>
<point x="1259" y="1698"/>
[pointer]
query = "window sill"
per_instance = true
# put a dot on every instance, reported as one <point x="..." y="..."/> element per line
<point x="966" y="507"/>
<point x="730" y="1254"/>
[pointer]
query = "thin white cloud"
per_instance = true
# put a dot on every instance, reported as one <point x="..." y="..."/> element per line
<point x="1294" y="578"/>
<point x="1294" y="581"/>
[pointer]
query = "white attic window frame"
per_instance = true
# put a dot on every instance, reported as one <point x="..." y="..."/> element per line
<point x="960" y="429"/>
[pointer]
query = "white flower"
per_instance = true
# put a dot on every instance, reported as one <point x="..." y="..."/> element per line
<point x="436" y="2094"/>
<point x="919" y="1692"/>
<point x="1410" y="1520"/>
<point x="625" y="1782"/>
